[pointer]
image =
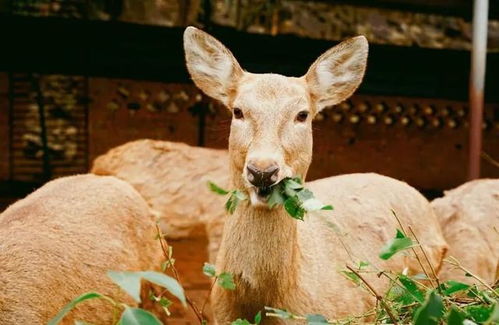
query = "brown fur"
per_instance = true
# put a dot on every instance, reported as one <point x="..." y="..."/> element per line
<point x="60" y="241"/>
<point x="469" y="216"/>
<point x="278" y="261"/>
<point x="173" y="179"/>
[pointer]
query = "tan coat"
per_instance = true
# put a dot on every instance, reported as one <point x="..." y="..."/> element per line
<point x="60" y="241"/>
<point x="469" y="216"/>
<point x="291" y="271"/>
<point x="173" y="179"/>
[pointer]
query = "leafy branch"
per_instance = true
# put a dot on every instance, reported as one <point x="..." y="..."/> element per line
<point x="290" y="193"/>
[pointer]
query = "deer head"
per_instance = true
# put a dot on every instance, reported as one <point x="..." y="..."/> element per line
<point x="271" y="130"/>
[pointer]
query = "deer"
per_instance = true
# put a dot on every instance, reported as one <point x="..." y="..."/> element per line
<point x="469" y="218"/>
<point x="278" y="261"/>
<point x="172" y="179"/>
<point x="59" y="242"/>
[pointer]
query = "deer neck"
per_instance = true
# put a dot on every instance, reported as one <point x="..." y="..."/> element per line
<point x="260" y="247"/>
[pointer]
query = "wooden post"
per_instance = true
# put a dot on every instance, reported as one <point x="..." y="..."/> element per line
<point x="477" y="81"/>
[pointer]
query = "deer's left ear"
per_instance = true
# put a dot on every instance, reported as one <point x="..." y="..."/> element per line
<point x="336" y="74"/>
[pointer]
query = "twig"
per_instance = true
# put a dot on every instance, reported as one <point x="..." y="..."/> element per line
<point x="208" y="296"/>
<point x="453" y="261"/>
<point x="427" y="260"/>
<point x="491" y="160"/>
<point x="164" y="247"/>
<point x="378" y="297"/>
<point x="413" y="250"/>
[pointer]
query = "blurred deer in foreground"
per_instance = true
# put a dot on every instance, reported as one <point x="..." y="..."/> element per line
<point x="276" y="260"/>
<point x="60" y="241"/>
<point x="469" y="217"/>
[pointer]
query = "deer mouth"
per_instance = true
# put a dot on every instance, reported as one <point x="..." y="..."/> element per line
<point x="263" y="192"/>
<point x="259" y="196"/>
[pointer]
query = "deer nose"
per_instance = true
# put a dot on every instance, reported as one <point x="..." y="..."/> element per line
<point x="262" y="177"/>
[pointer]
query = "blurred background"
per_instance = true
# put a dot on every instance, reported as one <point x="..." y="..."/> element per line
<point x="78" y="77"/>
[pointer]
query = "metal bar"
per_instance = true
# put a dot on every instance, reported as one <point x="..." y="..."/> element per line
<point x="477" y="81"/>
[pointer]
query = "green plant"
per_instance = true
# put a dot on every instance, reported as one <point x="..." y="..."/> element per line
<point x="130" y="282"/>
<point x="410" y="301"/>
<point x="290" y="193"/>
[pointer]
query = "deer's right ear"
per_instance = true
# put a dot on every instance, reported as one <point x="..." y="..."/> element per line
<point x="211" y="65"/>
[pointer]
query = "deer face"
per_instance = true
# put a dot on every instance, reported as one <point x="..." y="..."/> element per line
<point x="271" y="129"/>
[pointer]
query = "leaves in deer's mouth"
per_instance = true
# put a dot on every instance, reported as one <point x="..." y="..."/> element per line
<point x="290" y="193"/>
<point x="217" y="189"/>
<point x="297" y="200"/>
<point x="235" y="197"/>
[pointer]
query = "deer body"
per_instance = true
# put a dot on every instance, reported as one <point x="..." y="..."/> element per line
<point x="281" y="262"/>
<point x="172" y="179"/>
<point x="59" y="242"/>
<point x="278" y="261"/>
<point x="469" y="217"/>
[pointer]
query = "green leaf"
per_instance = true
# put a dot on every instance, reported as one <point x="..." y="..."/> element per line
<point x="430" y="312"/>
<point x="494" y="315"/>
<point x="137" y="316"/>
<point x="276" y="198"/>
<point x="395" y="245"/>
<point x="293" y="208"/>
<point x="226" y="281"/>
<point x="284" y="314"/>
<point x="352" y="276"/>
<point x="316" y="319"/>
<point x="234" y="199"/>
<point x="240" y="195"/>
<point x="411" y="287"/>
<point x="420" y="276"/>
<point x="293" y="183"/>
<point x="363" y="264"/>
<point x="312" y="205"/>
<point x="305" y="195"/>
<point x="164" y="302"/>
<point x="209" y="269"/>
<point x="454" y="286"/>
<point x="128" y="281"/>
<point x="479" y="313"/>
<point x="327" y="207"/>
<point x="67" y="308"/>
<point x="217" y="189"/>
<point x="455" y="317"/>
<point x="258" y="318"/>
<point x="240" y="321"/>
<point x="166" y="282"/>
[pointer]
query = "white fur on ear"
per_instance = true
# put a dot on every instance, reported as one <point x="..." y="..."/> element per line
<point x="211" y="65"/>
<point x="337" y="73"/>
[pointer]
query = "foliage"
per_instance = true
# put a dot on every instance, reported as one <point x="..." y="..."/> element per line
<point x="397" y="244"/>
<point x="290" y="193"/>
<point x="224" y="279"/>
<point x="130" y="282"/>
<point x="409" y="301"/>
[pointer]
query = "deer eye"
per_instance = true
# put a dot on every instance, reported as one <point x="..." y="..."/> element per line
<point x="238" y="114"/>
<point x="302" y="116"/>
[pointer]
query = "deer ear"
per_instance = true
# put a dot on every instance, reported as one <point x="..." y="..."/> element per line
<point x="337" y="73"/>
<point x="211" y="65"/>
